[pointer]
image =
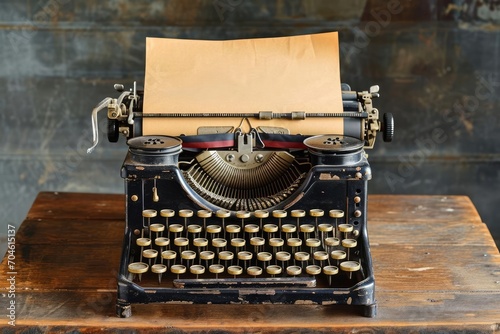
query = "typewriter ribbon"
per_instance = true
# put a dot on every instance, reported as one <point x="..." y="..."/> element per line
<point x="246" y="170"/>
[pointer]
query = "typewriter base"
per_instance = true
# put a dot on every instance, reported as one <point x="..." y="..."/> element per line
<point x="353" y="299"/>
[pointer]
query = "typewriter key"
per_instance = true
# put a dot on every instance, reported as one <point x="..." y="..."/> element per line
<point x="162" y="242"/>
<point x="313" y="270"/>
<point x="213" y="230"/>
<point x="330" y="271"/>
<point x="194" y="229"/>
<point x="280" y="214"/>
<point x="298" y="214"/>
<point x="276" y="243"/>
<point x="324" y="229"/>
<point x="293" y="270"/>
<point x="349" y="243"/>
<point x="261" y="214"/>
<point x="175" y="229"/>
<point x="338" y="255"/>
<point x="316" y="213"/>
<point x="346" y="228"/>
<point x="254" y="271"/>
<point x="350" y="267"/>
<point x="294" y="243"/>
<point x="336" y="214"/>
<point x="200" y="242"/>
<point x="283" y="257"/>
<point x="185" y="214"/>
<point x="242" y="215"/>
<point x="159" y="269"/>
<point x="226" y="256"/>
<point x="320" y="256"/>
<point x="150" y="254"/>
<point x="237" y="243"/>
<point x="207" y="256"/>
<point x="273" y="270"/>
<point x="188" y="255"/>
<point x="216" y="269"/>
<point x="138" y="268"/>
<point x="149" y="213"/>
<point x="288" y="229"/>
<point x="178" y="269"/>
<point x="251" y="229"/>
<point x="157" y="228"/>
<point x="301" y="257"/>
<point x="204" y="214"/>
<point x="257" y="242"/>
<point x="197" y="270"/>
<point x="143" y="242"/>
<point x="264" y="257"/>
<point x="222" y="214"/>
<point x="168" y="255"/>
<point x="234" y="270"/>
<point x="270" y="229"/>
<point x="232" y="230"/>
<point x="306" y="229"/>
<point x="244" y="256"/>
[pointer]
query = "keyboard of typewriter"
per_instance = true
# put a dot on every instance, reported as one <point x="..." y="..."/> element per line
<point x="279" y="249"/>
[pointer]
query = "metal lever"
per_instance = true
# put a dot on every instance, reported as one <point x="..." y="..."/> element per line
<point x="95" y="127"/>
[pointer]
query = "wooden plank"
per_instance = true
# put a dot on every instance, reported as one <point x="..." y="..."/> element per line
<point x="404" y="311"/>
<point x="77" y="206"/>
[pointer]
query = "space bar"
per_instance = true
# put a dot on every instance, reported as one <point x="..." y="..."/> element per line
<point x="249" y="282"/>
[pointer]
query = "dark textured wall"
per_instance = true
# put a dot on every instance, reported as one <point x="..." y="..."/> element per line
<point x="437" y="63"/>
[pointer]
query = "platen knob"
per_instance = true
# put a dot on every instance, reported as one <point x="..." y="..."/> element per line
<point x="388" y="127"/>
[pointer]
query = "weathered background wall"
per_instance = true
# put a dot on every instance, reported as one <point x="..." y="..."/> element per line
<point x="437" y="63"/>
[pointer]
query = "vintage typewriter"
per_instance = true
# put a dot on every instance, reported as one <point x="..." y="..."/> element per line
<point x="263" y="216"/>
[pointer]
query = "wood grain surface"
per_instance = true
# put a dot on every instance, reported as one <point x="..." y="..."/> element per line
<point x="436" y="269"/>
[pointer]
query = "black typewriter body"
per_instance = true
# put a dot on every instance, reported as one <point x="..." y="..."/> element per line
<point x="256" y="217"/>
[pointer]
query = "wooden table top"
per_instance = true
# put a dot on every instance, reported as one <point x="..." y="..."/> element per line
<point x="436" y="269"/>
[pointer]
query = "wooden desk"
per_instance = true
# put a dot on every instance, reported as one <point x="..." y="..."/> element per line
<point x="436" y="268"/>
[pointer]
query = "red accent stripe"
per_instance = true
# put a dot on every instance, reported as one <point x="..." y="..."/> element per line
<point x="284" y="144"/>
<point x="209" y="144"/>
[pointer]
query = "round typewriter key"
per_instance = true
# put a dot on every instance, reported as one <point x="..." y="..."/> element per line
<point x="293" y="270"/>
<point x="330" y="271"/>
<point x="242" y="214"/>
<point x="325" y="227"/>
<point x="143" y="242"/>
<point x="194" y="229"/>
<point x="237" y="242"/>
<point x="279" y="214"/>
<point x="294" y="242"/>
<point x="176" y="228"/>
<point x="313" y="270"/>
<point x="261" y="214"/>
<point x="331" y="242"/>
<point x="188" y="255"/>
<point x="223" y="213"/>
<point x="313" y="242"/>
<point x="350" y="267"/>
<point x="338" y="255"/>
<point x="150" y="253"/>
<point x="245" y="256"/>
<point x="264" y="256"/>
<point x="157" y="227"/>
<point x="307" y="228"/>
<point x="226" y="255"/>
<point x="316" y="213"/>
<point x="178" y="269"/>
<point x="162" y="242"/>
<point x="231" y="229"/>
<point x="212" y="229"/>
<point x="207" y="255"/>
<point x="149" y="213"/>
<point x="336" y="213"/>
<point x="346" y="228"/>
<point x="197" y="270"/>
<point x="167" y="213"/>
<point x="283" y="256"/>
<point x="159" y="269"/>
<point x="276" y="242"/>
<point x="288" y="228"/>
<point x="216" y="269"/>
<point x="320" y="256"/>
<point x="301" y="256"/>
<point x="251" y="229"/>
<point x="219" y="242"/>
<point x="204" y="213"/>
<point x="169" y="254"/>
<point x="181" y="242"/>
<point x="270" y="228"/>
<point x="254" y="271"/>
<point x="138" y="268"/>
<point x="298" y="213"/>
<point x="186" y="213"/>
<point x="349" y="243"/>
<point x="234" y="270"/>
<point x="257" y="242"/>
<point x="200" y="242"/>
<point x="273" y="270"/>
